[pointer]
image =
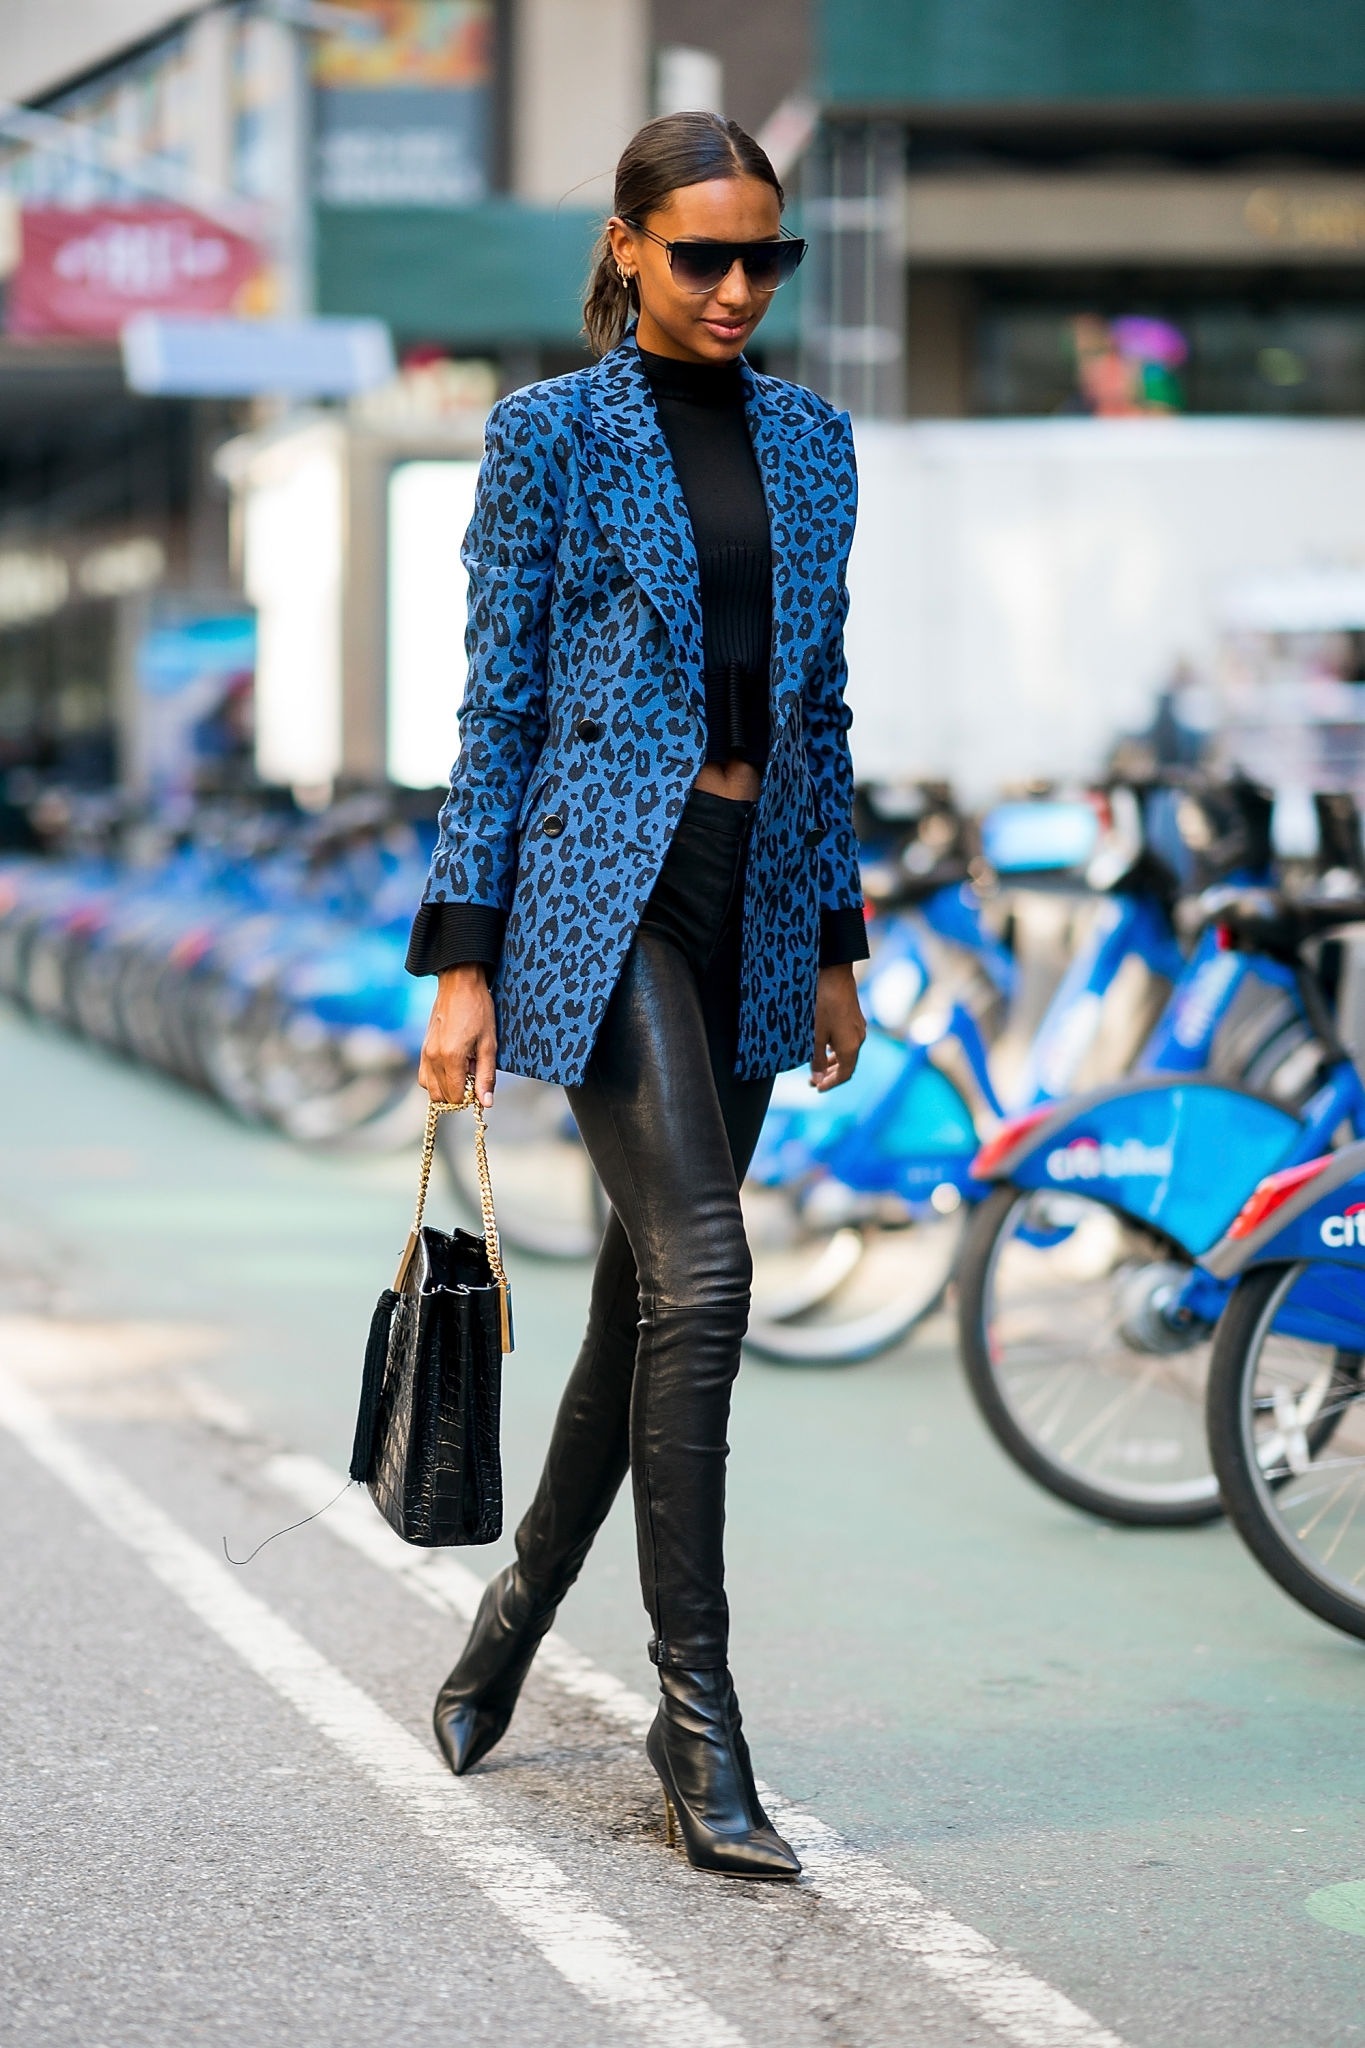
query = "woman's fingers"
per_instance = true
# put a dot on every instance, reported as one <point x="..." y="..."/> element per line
<point x="461" y="1039"/>
<point x="839" y="1028"/>
<point x="835" y="1065"/>
<point x="485" y="1063"/>
<point x="443" y="1077"/>
<point x="826" y="1067"/>
<point x="846" y="1052"/>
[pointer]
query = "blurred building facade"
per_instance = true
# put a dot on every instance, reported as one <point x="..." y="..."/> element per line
<point x="441" y="165"/>
<point x="1028" y="210"/>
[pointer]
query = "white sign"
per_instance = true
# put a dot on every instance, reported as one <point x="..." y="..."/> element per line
<point x="430" y="504"/>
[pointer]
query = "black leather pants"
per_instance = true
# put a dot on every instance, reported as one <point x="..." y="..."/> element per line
<point x="670" y="1131"/>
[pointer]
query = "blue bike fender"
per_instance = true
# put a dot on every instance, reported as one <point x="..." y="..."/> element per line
<point x="1178" y="1154"/>
<point x="1323" y="1219"/>
<point x="920" y="1136"/>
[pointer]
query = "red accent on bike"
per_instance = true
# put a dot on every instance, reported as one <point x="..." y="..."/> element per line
<point x="190" y="948"/>
<point x="1006" y="1138"/>
<point x="1271" y="1193"/>
<point x="1222" y="937"/>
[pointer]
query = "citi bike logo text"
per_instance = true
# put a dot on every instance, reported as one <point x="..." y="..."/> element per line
<point x="1337" y="1232"/>
<point x="1096" y="1159"/>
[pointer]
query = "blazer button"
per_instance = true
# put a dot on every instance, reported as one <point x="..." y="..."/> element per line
<point x="552" y="824"/>
<point x="589" y="730"/>
<point x="814" y="836"/>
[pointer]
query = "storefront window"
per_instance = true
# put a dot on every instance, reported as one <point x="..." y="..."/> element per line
<point x="1156" y="356"/>
<point x="56" y="704"/>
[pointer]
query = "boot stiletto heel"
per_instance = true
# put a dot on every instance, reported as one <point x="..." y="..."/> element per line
<point x="697" y="1747"/>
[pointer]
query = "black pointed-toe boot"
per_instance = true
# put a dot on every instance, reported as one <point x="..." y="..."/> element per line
<point x="697" y="1747"/>
<point x="476" y="1702"/>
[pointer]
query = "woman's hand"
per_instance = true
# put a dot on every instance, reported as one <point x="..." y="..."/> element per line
<point x="839" y="1028"/>
<point x="462" y="1037"/>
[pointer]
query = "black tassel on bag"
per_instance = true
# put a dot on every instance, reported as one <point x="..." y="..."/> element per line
<point x="372" y="1385"/>
<point x="427" y="1433"/>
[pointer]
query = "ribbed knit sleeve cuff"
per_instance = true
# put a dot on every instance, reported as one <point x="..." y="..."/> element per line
<point x="843" y="937"/>
<point x="455" y="935"/>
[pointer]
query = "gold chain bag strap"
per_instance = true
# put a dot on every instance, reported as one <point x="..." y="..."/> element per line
<point x="435" y="1111"/>
<point x="427" y="1432"/>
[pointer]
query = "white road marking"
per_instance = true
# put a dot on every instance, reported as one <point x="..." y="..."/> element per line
<point x="1020" y="2007"/>
<point x="590" y="1951"/>
<point x="215" y="1409"/>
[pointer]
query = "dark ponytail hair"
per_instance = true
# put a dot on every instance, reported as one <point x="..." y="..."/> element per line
<point x="675" y="150"/>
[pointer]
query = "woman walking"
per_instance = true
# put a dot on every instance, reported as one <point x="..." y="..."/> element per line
<point x="646" y="889"/>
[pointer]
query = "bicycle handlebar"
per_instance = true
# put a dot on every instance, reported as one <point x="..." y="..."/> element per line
<point x="1264" y="921"/>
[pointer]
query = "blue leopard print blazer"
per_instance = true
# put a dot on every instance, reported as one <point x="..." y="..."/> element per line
<point x="582" y="728"/>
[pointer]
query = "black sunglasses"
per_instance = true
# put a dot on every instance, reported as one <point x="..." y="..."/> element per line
<point x="701" y="266"/>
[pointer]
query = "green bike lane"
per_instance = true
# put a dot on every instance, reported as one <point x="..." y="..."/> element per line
<point x="1121" y="1754"/>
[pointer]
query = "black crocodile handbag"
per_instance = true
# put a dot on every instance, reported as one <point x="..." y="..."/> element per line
<point x="427" y="1435"/>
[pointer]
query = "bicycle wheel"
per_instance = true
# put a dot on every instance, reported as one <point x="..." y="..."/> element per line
<point x="320" y="1085"/>
<point x="841" y="1293"/>
<point x="550" y="1201"/>
<point x="93" y="995"/>
<point x="1076" y="1369"/>
<point x="48" y="976"/>
<point x="1286" y="1422"/>
<point x="222" y="1018"/>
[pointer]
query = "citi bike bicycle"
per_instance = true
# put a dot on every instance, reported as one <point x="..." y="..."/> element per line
<point x="1087" y="1302"/>
<point x="888" y="1168"/>
<point x="1286" y="1394"/>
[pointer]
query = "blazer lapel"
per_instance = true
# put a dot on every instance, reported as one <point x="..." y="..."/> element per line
<point x="640" y="508"/>
<point x="638" y="501"/>
<point x="806" y="483"/>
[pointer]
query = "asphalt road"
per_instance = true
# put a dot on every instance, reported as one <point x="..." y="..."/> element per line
<point x="1055" y="1785"/>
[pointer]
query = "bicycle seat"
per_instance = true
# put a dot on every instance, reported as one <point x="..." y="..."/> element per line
<point x="1264" y="921"/>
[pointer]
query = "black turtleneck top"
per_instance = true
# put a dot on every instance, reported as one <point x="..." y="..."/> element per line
<point x="701" y="412"/>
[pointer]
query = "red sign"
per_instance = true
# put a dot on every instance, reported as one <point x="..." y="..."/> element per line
<point x="87" y="272"/>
